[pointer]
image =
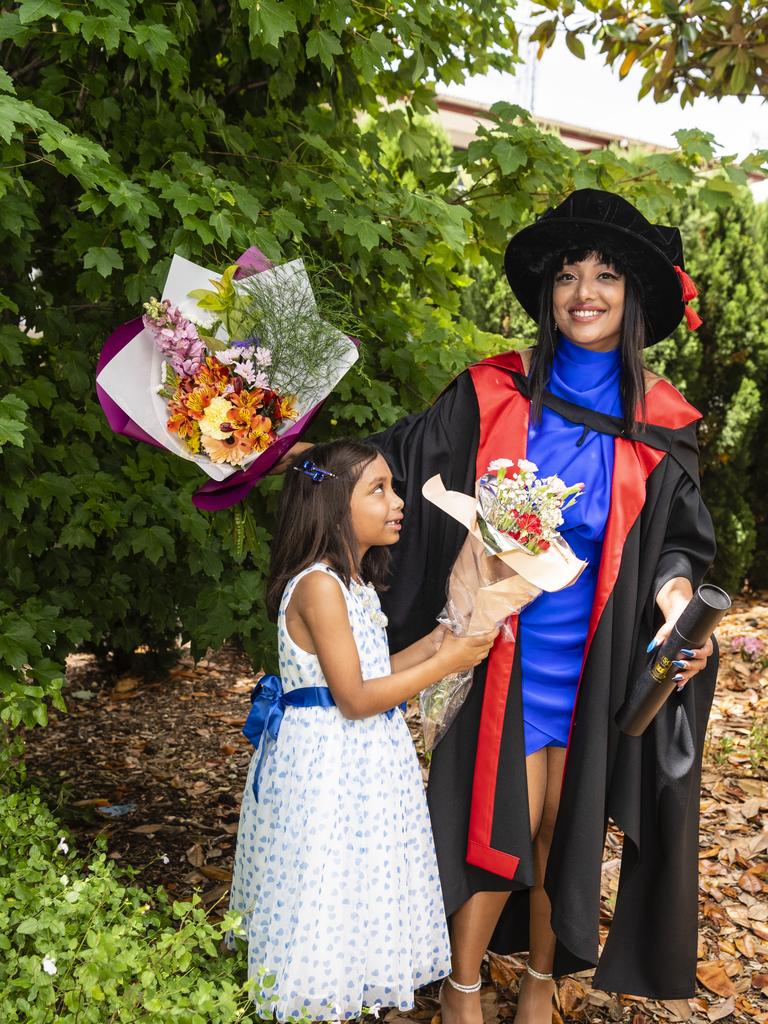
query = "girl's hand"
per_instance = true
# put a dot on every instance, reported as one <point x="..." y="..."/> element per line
<point x="463" y="652"/>
<point x="435" y="638"/>
<point x="282" y="464"/>
<point x="691" y="660"/>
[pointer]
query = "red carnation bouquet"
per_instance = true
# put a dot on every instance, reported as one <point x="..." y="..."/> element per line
<point x="512" y="553"/>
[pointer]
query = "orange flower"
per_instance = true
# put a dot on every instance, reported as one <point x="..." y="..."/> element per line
<point x="233" y="450"/>
<point x="181" y="422"/>
<point x="213" y="374"/>
<point x="285" y="408"/>
<point x="260" y="433"/>
<point x="198" y="400"/>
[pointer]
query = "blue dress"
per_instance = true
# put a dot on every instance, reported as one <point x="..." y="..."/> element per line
<point x="553" y="629"/>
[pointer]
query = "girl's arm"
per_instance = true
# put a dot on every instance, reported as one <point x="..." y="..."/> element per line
<point x="419" y="651"/>
<point x="320" y="620"/>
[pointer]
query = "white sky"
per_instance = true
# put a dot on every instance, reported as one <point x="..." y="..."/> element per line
<point x="590" y="94"/>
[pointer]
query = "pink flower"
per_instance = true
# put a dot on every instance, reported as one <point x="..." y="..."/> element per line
<point x="175" y="336"/>
<point x="246" y="371"/>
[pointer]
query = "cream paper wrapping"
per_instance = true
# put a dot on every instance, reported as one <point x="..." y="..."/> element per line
<point x="491" y="579"/>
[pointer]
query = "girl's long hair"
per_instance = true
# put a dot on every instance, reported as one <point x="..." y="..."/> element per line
<point x="633" y="334"/>
<point x="314" y="522"/>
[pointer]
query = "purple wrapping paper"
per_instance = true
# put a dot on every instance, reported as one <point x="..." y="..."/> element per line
<point x="214" y="495"/>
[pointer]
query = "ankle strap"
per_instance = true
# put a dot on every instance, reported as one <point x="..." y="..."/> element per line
<point x="464" y="988"/>
<point x="537" y="974"/>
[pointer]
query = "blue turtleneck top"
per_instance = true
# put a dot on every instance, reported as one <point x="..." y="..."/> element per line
<point x="553" y="629"/>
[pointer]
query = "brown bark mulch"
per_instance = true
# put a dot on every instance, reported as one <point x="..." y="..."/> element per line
<point x="158" y="768"/>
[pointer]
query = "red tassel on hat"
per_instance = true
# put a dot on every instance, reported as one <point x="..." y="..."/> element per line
<point x="690" y="291"/>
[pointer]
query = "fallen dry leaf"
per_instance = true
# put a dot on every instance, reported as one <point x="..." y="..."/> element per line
<point x="504" y="971"/>
<point x="720" y="1010"/>
<point x="750" y="883"/>
<point x="572" y="994"/>
<point x="746" y="945"/>
<point x="147" y="830"/>
<point x="195" y="855"/>
<point x="680" y="1008"/>
<point x="215" y="874"/>
<point x="126" y="684"/>
<point x="712" y="976"/>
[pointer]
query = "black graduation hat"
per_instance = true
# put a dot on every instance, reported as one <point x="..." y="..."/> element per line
<point x="592" y="219"/>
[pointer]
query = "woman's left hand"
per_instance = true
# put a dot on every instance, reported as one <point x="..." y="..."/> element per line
<point x="691" y="660"/>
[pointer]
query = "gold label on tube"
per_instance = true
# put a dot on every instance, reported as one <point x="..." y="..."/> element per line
<point x="660" y="668"/>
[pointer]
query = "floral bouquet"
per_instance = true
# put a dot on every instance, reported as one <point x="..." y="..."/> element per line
<point x="513" y="552"/>
<point x="225" y="369"/>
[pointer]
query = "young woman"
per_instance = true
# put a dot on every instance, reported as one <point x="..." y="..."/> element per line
<point x="335" y="869"/>
<point x="524" y="782"/>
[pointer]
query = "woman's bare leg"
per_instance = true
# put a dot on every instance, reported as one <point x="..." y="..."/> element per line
<point x="534" y="1004"/>
<point x="473" y="923"/>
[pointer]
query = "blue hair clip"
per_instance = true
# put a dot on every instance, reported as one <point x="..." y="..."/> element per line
<point x="313" y="471"/>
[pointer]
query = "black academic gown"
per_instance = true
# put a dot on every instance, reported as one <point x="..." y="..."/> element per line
<point x="649" y="786"/>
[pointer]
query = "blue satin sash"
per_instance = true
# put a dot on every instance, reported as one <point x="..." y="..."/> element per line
<point x="268" y="704"/>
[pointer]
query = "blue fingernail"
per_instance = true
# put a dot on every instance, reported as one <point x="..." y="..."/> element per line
<point x="686" y="652"/>
<point x="678" y="677"/>
<point x="651" y="645"/>
<point x="680" y="664"/>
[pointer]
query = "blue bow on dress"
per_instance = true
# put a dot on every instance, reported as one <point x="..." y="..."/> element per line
<point x="268" y="704"/>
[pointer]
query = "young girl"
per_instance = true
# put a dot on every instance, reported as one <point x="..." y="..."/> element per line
<point x="335" y="870"/>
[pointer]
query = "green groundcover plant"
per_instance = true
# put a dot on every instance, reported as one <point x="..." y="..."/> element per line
<point x="78" y="945"/>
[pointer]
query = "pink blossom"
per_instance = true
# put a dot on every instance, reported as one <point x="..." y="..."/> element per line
<point x="175" y="336"/>
<point x="246" y="371"/>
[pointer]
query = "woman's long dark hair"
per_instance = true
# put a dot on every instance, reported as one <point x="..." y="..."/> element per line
<point x="633" y="334"/>
<point x="314" y="522"/>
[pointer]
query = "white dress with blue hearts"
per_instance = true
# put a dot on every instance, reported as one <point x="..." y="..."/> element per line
<point x="335" y="870"/>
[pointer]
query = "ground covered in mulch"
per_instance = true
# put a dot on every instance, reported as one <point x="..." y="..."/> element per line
<point x="157" y="769"/>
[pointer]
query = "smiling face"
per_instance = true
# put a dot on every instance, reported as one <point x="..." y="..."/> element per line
<point x="376" y="511"/>
<point x="588" y="303"/>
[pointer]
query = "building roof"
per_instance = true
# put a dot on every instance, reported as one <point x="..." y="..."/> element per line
<point x="460" y="118"/>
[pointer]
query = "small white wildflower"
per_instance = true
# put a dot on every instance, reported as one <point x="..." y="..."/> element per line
<point x="261" y="380"/>
<point x="164" y="372"/>
<point x="262" y="356"/>
<point x="64" y="879"/>
<point x="62" y="847"/>
<point x="159" y="389"/>
<point x="165" y="860"/>
<point x="500" y="464"/>
<point x="246" y="371"/>
<point x="49" y="965"/>
<point x="229" y="355"/>
<point x="526" y="466"/>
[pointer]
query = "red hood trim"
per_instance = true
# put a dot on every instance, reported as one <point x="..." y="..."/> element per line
<point x="665" y="406"/>
<point x="503" y="434"/>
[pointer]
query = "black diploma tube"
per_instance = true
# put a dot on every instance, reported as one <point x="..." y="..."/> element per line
<point x="696" y="624"/>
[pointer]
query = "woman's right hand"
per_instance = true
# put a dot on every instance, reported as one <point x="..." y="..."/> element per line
<point x="463" y="652"/>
